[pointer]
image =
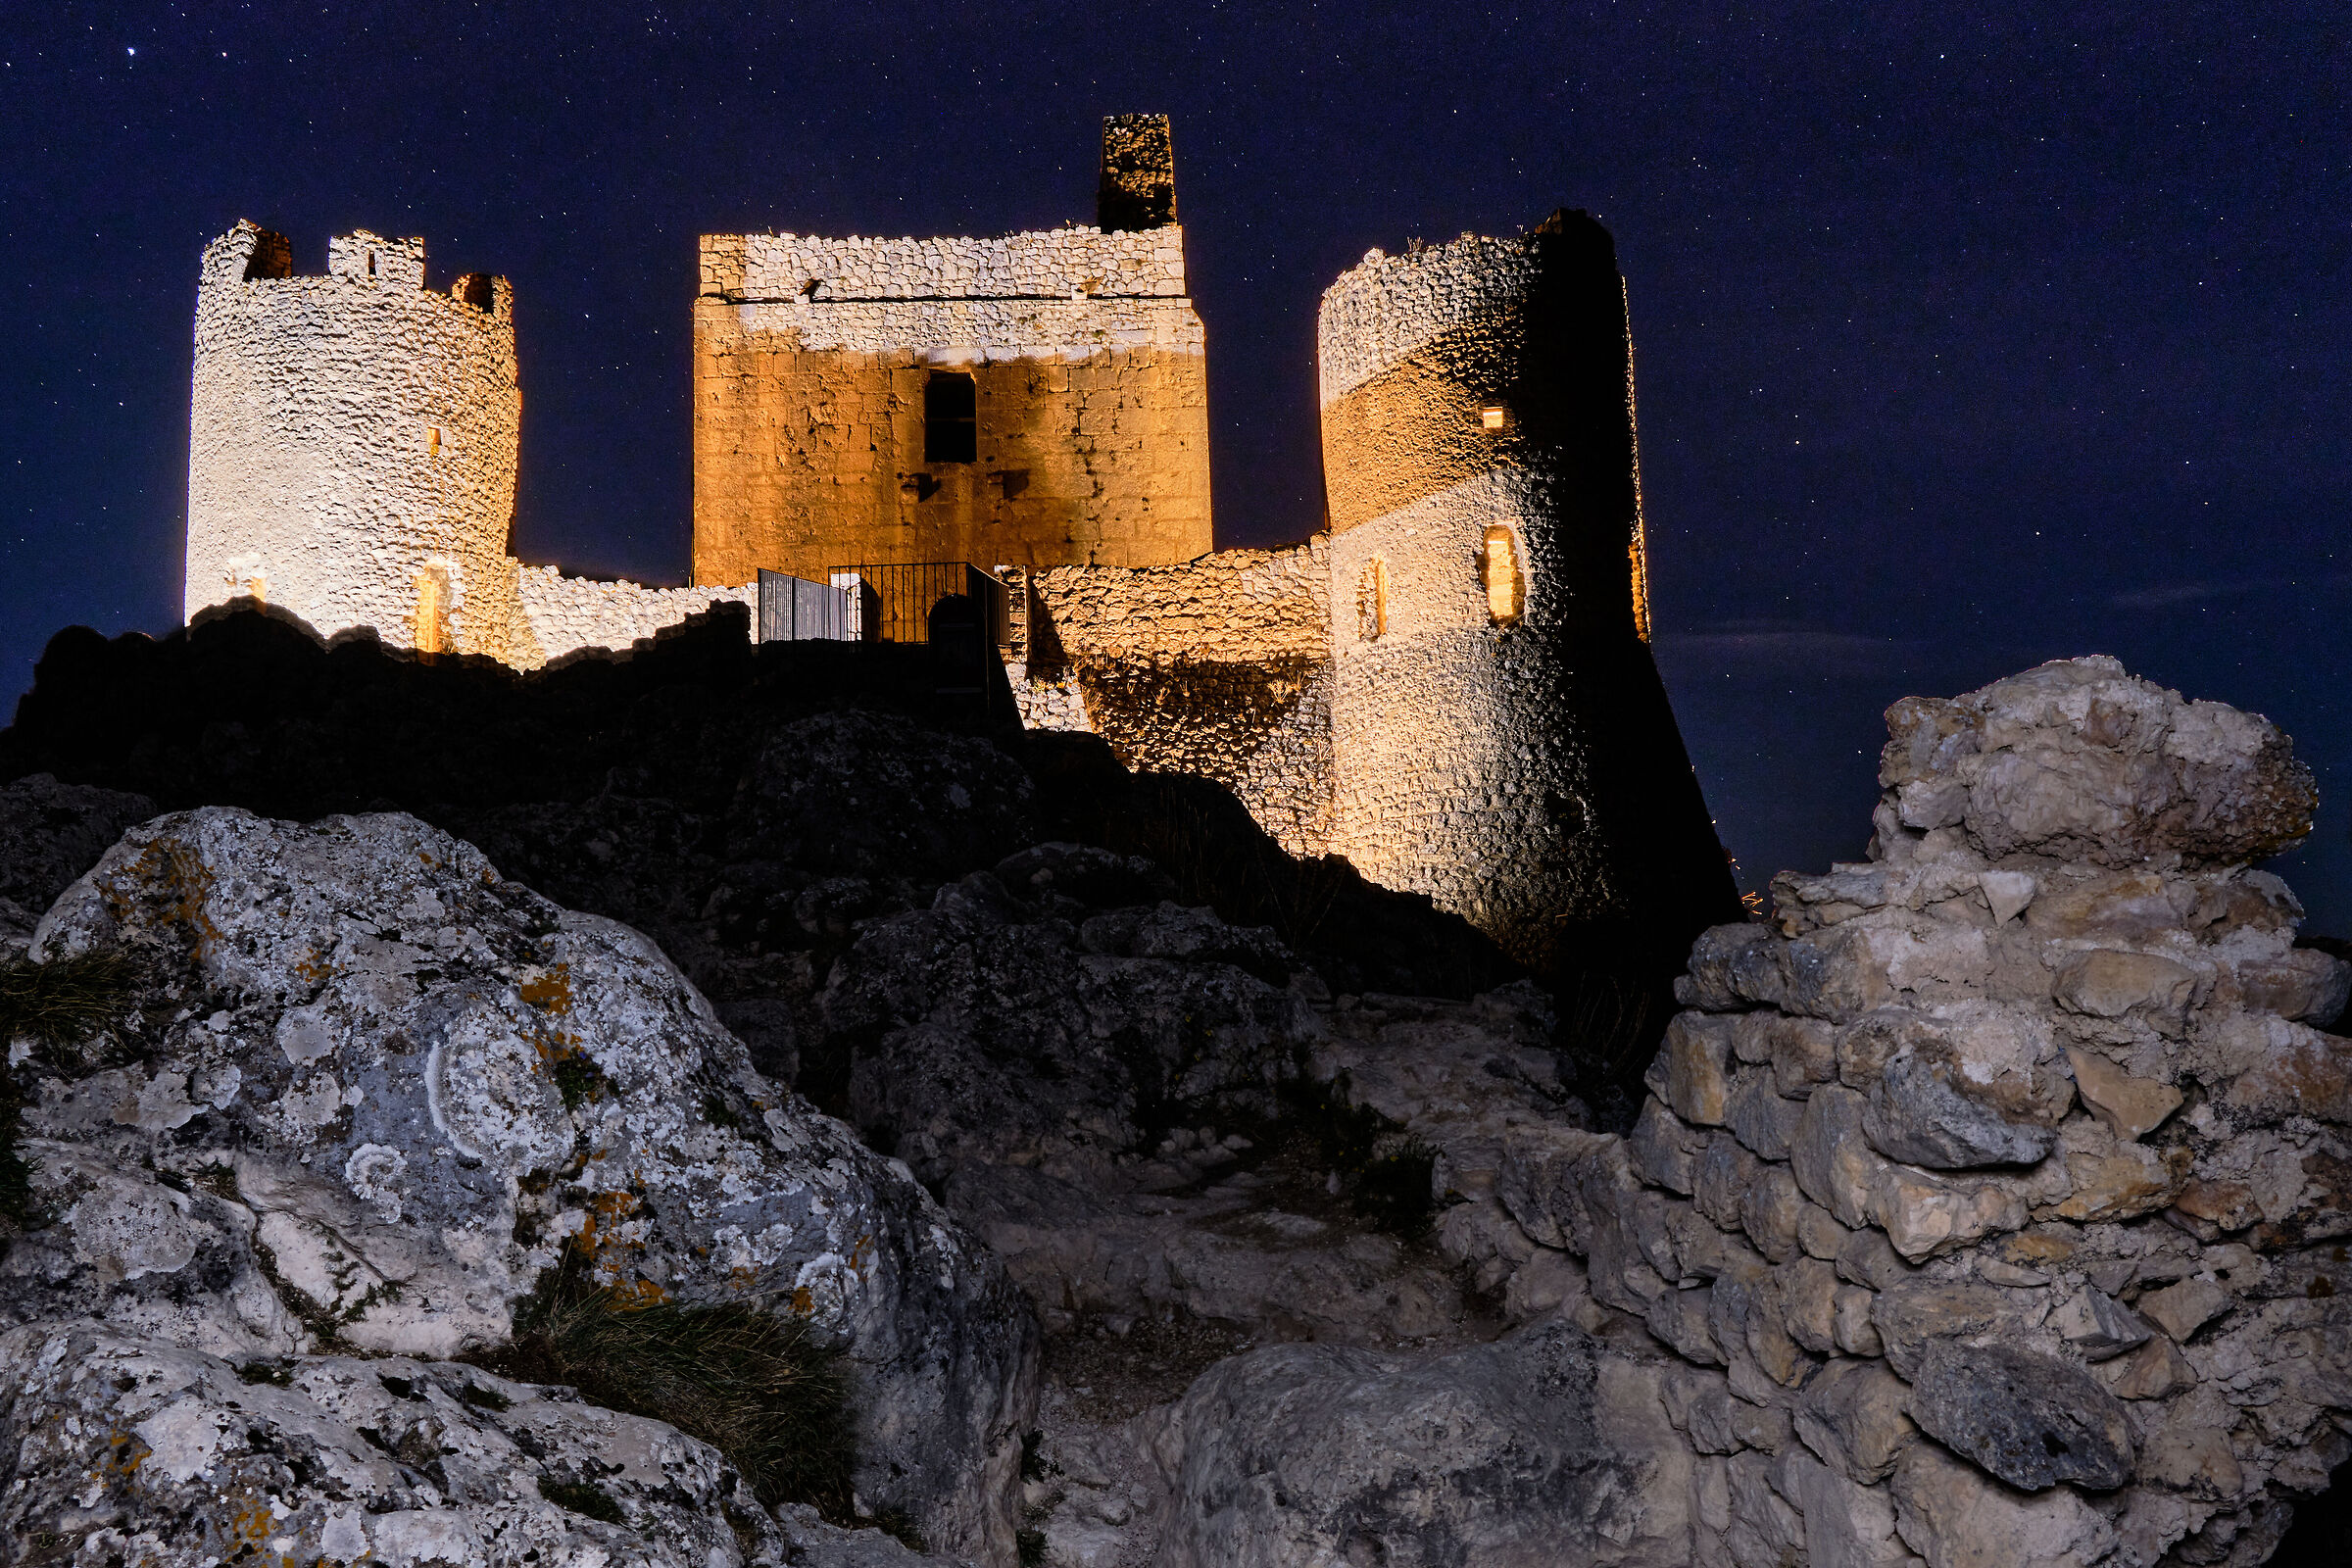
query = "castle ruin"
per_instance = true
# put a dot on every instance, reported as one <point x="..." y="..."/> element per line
<point x="1450" y="686"/>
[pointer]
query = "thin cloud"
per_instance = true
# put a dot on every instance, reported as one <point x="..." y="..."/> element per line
<point x="2190" y="593"/>
<point x="1750" y="647"/>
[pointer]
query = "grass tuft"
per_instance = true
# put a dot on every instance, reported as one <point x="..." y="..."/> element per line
<point x="751" y="1383"/>
<point x="54" y="1007"/>
<point x="63" y="1002"/>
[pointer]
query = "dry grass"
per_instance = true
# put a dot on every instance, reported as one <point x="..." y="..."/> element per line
<point x="56" y="1008"/>
<point x="750" y="1383"/>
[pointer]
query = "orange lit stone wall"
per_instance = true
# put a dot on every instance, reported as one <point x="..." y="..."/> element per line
<point x="1500" y="738"/>
<point x="811" y="359"/>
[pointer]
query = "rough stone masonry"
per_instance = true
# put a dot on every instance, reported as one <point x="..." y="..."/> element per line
<point x="1993" y="1200"/>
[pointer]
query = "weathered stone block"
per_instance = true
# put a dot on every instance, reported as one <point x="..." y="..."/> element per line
<point x="1956" y="1517"/>
<point x="2184" y="1308"/>
<point x="2131" y="1107"/>
<point x="2097" y="1324"/>
<point x="2104" y="983"/>
<point x="1853" y="1414"/>
<point x="2032" y="1420"/>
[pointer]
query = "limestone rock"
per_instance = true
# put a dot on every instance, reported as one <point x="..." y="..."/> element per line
<point x="2131" y="1107"/>
<point x="1853" y="1414"/>
<point x="132" y="1448"/>
<point x="2029" y="1419"/>
<point x="2184" y="1308"/>
<point x="1956" y="1517"/>
<point x="368" y="1091"/>
<point x="2078" y="759"/>
<point x="1538" y="1448"/>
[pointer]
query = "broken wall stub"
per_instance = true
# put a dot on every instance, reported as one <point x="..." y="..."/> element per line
<point x="1500" y="738"/>
<point x="814" y="360"/>
<point x="1219" y="667"/>
<point x="352" y="443"/>
<point x="1139" y="174"/>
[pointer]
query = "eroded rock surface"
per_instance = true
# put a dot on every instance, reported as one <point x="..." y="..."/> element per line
<point x="368" y="1092"/>
<point x="1541" y="1448"/>
<point x="129" y="1449"/>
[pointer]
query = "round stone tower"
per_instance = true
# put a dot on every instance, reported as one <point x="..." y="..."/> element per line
<point x="1500" y="739"/>
<point x="352" y="443"/>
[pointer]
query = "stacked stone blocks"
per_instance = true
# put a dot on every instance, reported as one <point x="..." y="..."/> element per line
<point x="1990" y="1201"/>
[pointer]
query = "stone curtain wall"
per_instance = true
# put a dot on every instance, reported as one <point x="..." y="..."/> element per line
<point x="567" y="615"/>
<point x="1509" y="754"/>
<point x="352" y="436"/>
<point x="810" y="362"/>
<point x="1219" y="667"/>
<point x="1990" y="1203"/>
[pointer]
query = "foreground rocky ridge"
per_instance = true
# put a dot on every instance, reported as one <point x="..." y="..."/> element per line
<point x="1987" y="1207"/>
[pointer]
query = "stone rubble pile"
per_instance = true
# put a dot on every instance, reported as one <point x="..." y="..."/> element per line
<point x="1993" y="1197"/>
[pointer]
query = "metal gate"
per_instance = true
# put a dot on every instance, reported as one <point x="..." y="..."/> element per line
<point x="795" y="610"/>
<point x="897" y="604"/>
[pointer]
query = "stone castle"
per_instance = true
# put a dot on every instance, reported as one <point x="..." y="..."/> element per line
<point x="1450" y="686"/>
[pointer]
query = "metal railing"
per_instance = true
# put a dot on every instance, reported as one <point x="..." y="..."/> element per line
<point x="900" y="603"/>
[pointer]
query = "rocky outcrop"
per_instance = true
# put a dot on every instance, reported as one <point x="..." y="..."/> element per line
<point x="128" y="1448"/>
<point x="1541" y="1448"/>
<point x="53" y="833"/>
<point x="1993" y="1193"/>
<point x="364" y="1091"/>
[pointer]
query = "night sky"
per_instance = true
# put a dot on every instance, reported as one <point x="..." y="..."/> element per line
<point x="1966" y="337"/>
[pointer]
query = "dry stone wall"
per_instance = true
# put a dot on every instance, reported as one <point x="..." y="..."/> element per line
<point x="1219" y="667"/>
<point x="567" y="614"/>
<point x="1991" y="1200"/>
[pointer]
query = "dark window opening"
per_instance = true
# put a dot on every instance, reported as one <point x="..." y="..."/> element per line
<point x="951" y="418"/>
<point x="272" y="256"/>
<point x="475" y="289"/>
<point x="371" y="263"/>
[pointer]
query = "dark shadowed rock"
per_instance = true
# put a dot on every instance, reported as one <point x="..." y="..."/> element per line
<point x="50" y="833"/>
<point x="2032" y="1420"/>
<point x="1538" y="1449"/>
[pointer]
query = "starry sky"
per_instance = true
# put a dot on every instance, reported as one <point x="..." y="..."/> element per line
<point x="1966" y="336"/>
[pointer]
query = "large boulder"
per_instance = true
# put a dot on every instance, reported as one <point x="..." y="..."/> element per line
<point x="1541" y="1449"/>
<point x="363" y="1093"/>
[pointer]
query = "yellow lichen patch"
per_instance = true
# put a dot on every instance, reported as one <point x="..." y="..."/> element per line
<point x="802" y="1301"/>
<point x="635" y="1295"/>
<point x="550" y="989"/>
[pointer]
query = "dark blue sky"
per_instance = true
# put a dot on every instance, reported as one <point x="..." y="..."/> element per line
<point x="1966" y="336"/>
